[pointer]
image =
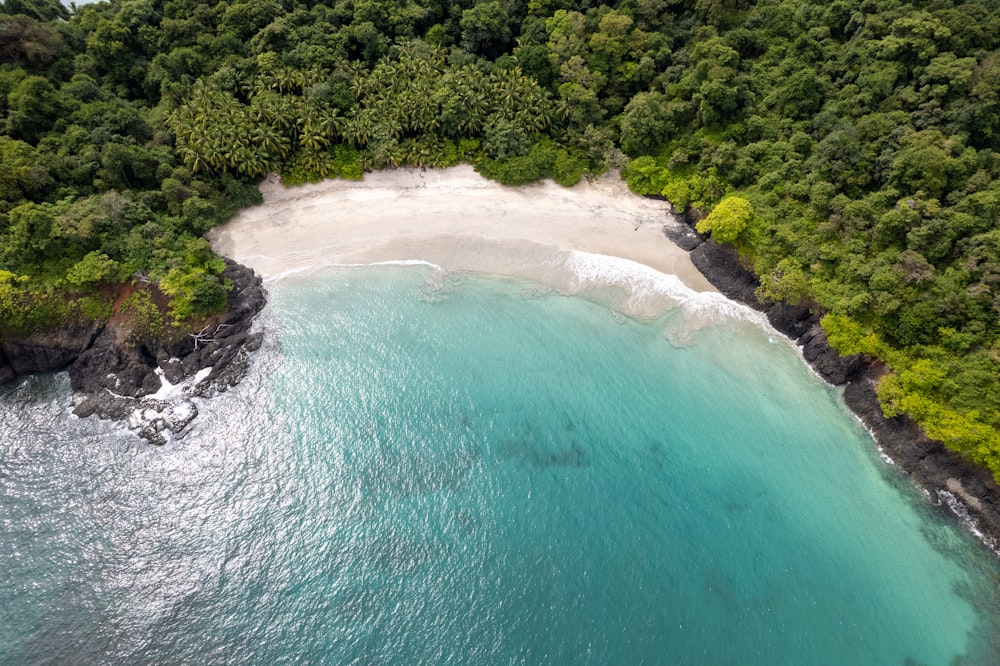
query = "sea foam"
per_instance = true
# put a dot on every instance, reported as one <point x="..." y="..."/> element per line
<point x="650" y="292"/>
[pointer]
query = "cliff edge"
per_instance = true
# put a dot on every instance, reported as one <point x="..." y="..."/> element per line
<point x="147" y="381"/>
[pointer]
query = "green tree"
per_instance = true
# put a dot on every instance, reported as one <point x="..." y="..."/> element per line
<point x="728" y="220"/>
<point x="33" y="107"/>
<point x="485" y="28"/>
<point x="646" y="123"/>
<point x="94" y="268"/>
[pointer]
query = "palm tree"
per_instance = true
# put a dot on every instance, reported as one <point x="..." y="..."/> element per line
<point x="195" y="160"/>
<point x="394" y="155"/>
<point x="271" y="142"/>
<point x="315" y="161"/>
<point x="359" y="128"/>
<point x="310" y="136"/>
<point x="330" y="124"/>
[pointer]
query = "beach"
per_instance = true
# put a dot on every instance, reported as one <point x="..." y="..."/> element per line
<point x="453" y="218"/>
<point x="451" y="466"/>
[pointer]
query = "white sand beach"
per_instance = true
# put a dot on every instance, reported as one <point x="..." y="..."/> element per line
<point x="455" y="219"/>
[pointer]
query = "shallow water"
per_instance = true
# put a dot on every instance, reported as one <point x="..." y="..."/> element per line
<point x="433" y="467"/>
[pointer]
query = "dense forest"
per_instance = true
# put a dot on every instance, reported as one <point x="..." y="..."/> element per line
<point x="850" y="150"/>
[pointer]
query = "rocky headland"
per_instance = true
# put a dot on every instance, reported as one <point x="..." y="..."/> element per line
<point x="146" y="381"/>
<point x="949" y="479"/>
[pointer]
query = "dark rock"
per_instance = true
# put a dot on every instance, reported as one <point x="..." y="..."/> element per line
<point x="50" y="350"/>
<point x="792" y="320"/>
<point x="173" y="371"/>
<point x="683" y="236"/>
<point x="825" y="360"/>
<point x="7" y="373"/>
<point x="969" y="491"/>
<point x="721" y="266"/>
<point x="110" y="363"/>
<point x="112" y="374"/>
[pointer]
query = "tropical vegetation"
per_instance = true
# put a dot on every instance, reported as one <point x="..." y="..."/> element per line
<point x="848" y="149"/>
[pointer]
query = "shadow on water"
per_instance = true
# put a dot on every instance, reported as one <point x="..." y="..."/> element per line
<point x="538" y="450"/>
<point x="439" y="285"/>
<point x="656" y="451"/>
<point x="358" y="604"/>
<point x="398" y="554"/>
<point x="468" y="521"/>
<point x="78" y="637"/>
<point x="543" y="455"/>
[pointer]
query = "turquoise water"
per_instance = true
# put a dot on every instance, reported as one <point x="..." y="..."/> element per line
<point x="437" y="468"/>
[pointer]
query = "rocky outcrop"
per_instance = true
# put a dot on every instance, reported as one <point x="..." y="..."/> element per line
<point x="46" y="352"/>
<point x="967" y="489"/>
<point x="147" y="382"/>
<point x="684" y="235"/>
<point x="721" y="266"/>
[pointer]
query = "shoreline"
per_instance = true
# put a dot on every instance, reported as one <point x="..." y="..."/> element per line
<point x="412" y="215"/>
<point x="965" y="490"/>
<point x="451" y="217"/>
<point x="145" y="381"/>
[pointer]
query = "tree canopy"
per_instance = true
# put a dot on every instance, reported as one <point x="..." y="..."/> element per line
<point x="848" y="149"/>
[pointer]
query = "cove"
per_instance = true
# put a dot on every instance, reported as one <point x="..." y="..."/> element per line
<point x="429" y="466"/>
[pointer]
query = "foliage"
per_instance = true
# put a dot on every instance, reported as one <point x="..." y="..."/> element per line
<point x="728" y="220"/>
<point x="544" y="159"/>
<point x="95" y="267"/>
<point x="23" y="311"/>
<point x="849" y="149"/>
<point x="146" y="319"/>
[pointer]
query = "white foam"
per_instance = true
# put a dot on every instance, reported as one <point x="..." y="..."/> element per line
<point x="200" y="376"/>
<point x="881" y="452"/>
<point x="600" y="270"/>
<point x="167" y="390"/>
<point x="651" y="292"/>
<point x="400" y="262"/>
<point x="182" y="410"/>
<point x="960" y="509"/>
<point x="290" y="272"/>
<point x="335" y="264"/>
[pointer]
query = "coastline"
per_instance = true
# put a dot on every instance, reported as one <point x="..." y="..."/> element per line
<point x="413" y="214"/>
<point x="949" y="480"/>
<point x="453" y="218"/>
<point x="146" y="381"/>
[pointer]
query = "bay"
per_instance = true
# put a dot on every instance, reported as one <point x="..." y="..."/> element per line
<point x="437" y="467"/>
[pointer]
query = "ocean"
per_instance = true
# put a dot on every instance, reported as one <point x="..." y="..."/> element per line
<point x="437" y="467"/>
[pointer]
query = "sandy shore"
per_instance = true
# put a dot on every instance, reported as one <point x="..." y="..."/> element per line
<point x="453" y="218"/>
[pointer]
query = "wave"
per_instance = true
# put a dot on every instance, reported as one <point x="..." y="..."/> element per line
<point x="650" y="293"/>
<point x="627" y="287"/>
<point x="960" y="510"/>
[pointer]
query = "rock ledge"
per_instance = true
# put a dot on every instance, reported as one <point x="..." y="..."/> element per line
<point x="968" y="490"/>
<point x="148" y="383"/>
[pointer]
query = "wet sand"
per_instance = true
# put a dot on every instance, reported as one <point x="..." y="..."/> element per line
<point x="453" y="218"/>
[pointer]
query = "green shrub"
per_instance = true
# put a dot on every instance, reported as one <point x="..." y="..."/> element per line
<point x="147" y="320"/>
<point x="727" y="220"/>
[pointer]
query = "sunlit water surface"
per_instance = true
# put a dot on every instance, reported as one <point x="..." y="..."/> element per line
<point x="436" y="468"/>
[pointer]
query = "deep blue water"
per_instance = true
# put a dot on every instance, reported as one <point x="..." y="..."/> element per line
<point x="437" y="468"/>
